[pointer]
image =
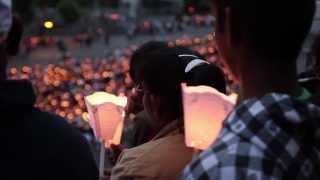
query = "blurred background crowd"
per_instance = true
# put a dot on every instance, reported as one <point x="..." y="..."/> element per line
<point x="73" y="48"/>
<point x="61" y="87"/>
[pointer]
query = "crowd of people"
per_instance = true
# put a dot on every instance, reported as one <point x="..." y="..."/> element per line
<point x="272" y="132"/>
<point x="61" y="87"/>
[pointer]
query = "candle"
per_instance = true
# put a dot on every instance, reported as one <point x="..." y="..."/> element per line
<point x="204" y="112"/>
<point x="106" y="115"/>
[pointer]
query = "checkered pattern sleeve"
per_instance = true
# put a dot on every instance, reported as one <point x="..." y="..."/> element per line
<point x="232" y="162"/>
<point x="262" y="139"/>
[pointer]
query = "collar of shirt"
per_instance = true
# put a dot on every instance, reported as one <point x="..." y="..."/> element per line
<point x="170" y="129"/>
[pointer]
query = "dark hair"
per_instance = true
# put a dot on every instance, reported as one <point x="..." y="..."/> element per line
<point x="208" y="75"/>
<point x="162" y="76"/>
<point x="165" y="71"/>
<point x="138" y="58"/>
<point x="273" y="28"/>
<point x="167" y="65"/>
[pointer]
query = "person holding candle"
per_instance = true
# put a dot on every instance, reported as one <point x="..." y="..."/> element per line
<point x="201" y="73"/>
<point x="273" y="133"/>
<point x="142" y="131"/>
<point x="36" y="145"/>
<point x="165" y="155"/>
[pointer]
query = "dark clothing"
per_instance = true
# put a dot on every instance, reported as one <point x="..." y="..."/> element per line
<point x="37" y="145"/>
<point x="311" y="84"/>
<point x="143" y="131"/>
<point x="138" y="131"/>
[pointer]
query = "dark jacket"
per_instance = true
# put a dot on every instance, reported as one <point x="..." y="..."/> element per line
<point x="37" y="145"/>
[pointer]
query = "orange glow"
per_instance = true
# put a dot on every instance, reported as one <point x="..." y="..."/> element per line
<point x="85" y="116"/>
<point x="56" y="83"/>
<point x="65" y="104"/>
<point x="105" y="74"/>
<point x="13" y="71"/>
<point x="210" y="37"/>
<point x="62" y="114"/>
<point x="78" y="97"/>
<point x="78" y="111"/>
<point x="70" y="116"/>
<point x="27" y="69"/>
<point x="197" y="40"/>
<point x="54" y="102"/>
<point x="211" y="50"/>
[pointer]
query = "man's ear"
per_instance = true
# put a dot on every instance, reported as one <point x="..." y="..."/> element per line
<point x="14" y="36"/>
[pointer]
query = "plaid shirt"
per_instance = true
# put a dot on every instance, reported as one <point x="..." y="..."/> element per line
<point x="273" y="137"/>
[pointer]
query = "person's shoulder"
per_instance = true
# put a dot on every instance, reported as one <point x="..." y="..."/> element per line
<point x="169" y="153"/>
<point x="236" y="159"/>
<point x="59" y="143"/>
<point x="169" y="145"/>
<point x="51" y="126"/>
<point x="144" y="151"/>
<point x="48" y="120"/>
<point x="130" y="165"/>
<point x="38" y="114"/>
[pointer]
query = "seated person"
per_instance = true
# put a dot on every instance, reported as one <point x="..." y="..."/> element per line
<point x="36" y="145"/>
<point x="165" y="155"/>
<point x="137" y="129"/>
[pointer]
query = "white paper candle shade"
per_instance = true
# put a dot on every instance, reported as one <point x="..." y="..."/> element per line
<point x="204" y="111"/>
<point x="106" y="116"/>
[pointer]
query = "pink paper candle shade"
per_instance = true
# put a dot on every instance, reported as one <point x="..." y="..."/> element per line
<point x="106" y="113"/>
<point x="204" y="112"/>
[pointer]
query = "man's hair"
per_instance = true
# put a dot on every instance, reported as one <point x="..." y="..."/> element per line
<point x="162" y="76"/>
<point x="138" y="58"/>
<point x="164" y="72"/>
<point x="165" y="69"/>
<point x="208" y="75"/>
<point x="272" y="28"/>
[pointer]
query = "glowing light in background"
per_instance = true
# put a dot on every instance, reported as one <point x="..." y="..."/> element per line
<point x="48" y="24"/>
